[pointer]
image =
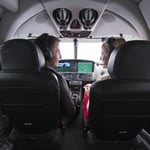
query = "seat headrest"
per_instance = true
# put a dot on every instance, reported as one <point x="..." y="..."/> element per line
<point x="130" y="61"/>
<point x="21" y="55"/>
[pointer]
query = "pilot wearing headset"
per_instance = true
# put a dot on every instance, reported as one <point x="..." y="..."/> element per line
<point x="50" y="48"/>
<point x="107" y="47"/>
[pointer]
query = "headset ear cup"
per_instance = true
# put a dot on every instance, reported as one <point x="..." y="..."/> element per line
<point x="110" y="44"/>
<point x="48" y="55"/>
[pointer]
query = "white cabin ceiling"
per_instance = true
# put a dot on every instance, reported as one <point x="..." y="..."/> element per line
<point x="35" y="17"/>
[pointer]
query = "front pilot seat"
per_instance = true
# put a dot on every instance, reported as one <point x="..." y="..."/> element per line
<point x="29" y="96"/>
<point x="120" y="107"/>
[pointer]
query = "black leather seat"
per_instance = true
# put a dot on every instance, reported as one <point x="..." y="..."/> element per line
<point x="29" y="96"/>
<point x="120" y="107"/>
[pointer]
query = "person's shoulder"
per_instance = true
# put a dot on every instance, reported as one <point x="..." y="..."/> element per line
<point x="60" y="77"/>
<point x="49" y="68"/>
<point x="104" y="75"/>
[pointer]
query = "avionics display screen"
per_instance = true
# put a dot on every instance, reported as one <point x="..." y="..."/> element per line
<point x="75" y="66"/>
<point x="85" y="67"/>
<point x="63" y="67"/>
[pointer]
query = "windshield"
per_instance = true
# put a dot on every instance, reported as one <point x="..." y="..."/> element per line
<point x="86" y="49"/>
<point x="67" y="50"/>
<point x="89" y="49"/>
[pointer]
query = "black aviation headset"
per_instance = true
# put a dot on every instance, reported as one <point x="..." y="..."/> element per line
<point x="43" y="42"/>
<point x="110" y="41"/>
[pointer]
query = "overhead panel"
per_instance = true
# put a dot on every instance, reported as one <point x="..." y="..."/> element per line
<point x="78" y="19"/>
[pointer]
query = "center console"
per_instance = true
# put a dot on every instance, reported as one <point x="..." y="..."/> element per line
<point x="76" y="72"/>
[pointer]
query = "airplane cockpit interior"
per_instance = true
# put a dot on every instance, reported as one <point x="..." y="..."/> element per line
<point x="111" y="112"/>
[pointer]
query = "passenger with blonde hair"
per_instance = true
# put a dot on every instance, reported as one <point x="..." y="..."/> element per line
<point x="107" y="48"/>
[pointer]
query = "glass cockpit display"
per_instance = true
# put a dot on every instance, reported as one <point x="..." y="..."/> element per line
<point x="85" y="67"/>
<point x="63" y="67"/>
<point x="75" y="66"/>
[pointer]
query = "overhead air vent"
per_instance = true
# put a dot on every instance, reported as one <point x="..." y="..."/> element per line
<point x="62" y="17"/>
<point x="88" y="17"/>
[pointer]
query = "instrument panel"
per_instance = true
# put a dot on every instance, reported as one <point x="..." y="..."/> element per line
<point x="74" y="69"/>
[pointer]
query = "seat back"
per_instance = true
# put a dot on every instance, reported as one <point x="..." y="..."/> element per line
<point x="29" y="96"/>
<point x="120" y="107"/>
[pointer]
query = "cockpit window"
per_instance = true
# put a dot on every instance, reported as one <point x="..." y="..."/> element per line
<point x="86" y="49"/>
<point x="89" y="49"/>
<point x="67" y="50"/>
